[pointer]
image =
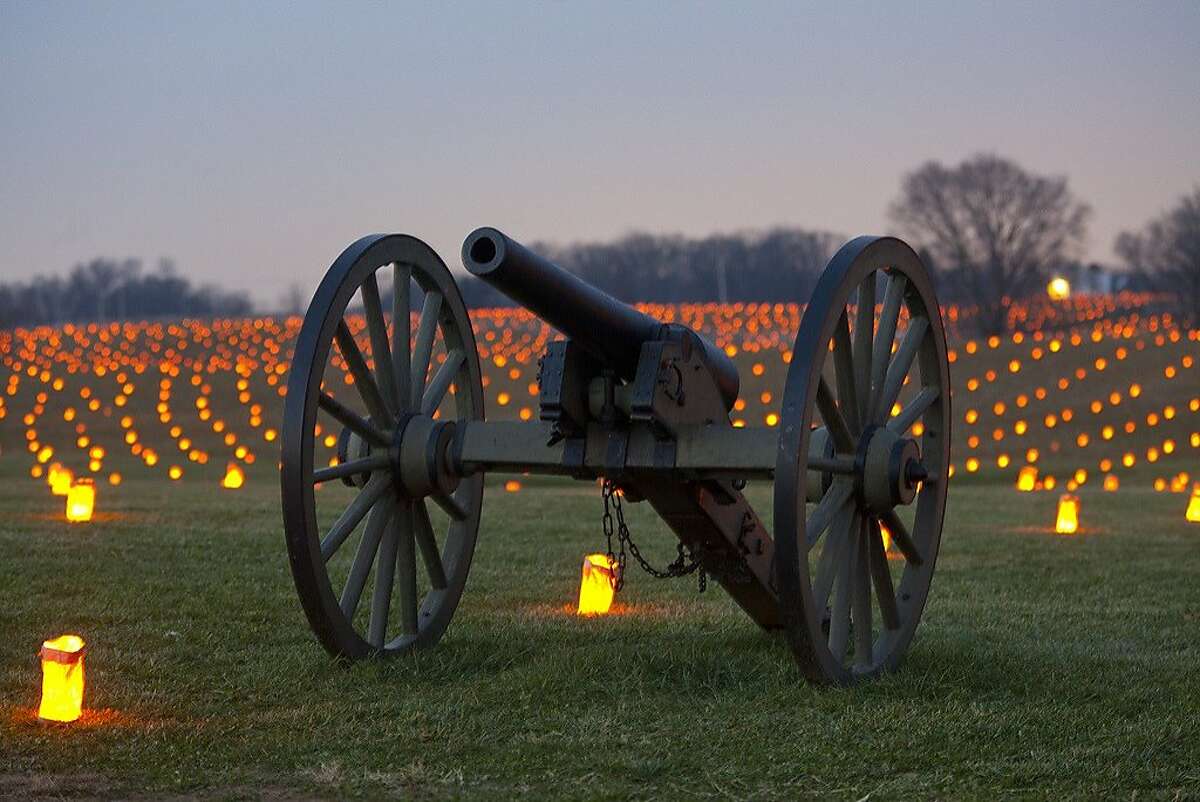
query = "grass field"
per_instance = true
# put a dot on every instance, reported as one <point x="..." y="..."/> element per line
<point x="1046" y="666"/>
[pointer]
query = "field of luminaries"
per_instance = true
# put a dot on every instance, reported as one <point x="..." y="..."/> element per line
<point x="203" y="674"/>
<point x="1097" y="394"/>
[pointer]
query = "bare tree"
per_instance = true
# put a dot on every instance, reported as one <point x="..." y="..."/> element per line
<point x="993" y="230"/>
<point x="1166" y="253"/>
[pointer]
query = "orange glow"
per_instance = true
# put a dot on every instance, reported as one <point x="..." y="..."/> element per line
<point x="597" y="585"/>
<point x="60" y="479"/>
<point x="62" y="679"/>
<point x="234" y="478"/>
<point x="887" y="544"/>
<point x="1027" y="478"/>
<point x="1111" y="482"/>
<point x="512" y="486"/>
<point x="1193" y="507"/>
<point x="1067" y="522"/>
<point x="1059" y="289"/>
<point x="150" y="362"/>
<point x="81" y="501"/>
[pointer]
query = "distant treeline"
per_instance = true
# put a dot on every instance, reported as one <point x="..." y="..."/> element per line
<point x="104" y="289"/>
<point x="989" y="231"/>
<point x="781" y="264"/>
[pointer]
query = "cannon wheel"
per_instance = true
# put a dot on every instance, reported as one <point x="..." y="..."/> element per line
<point x="386" y="392"/>
<point x="848" y="610"/>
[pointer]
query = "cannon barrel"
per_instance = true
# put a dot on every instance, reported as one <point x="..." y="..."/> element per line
<point x="610" y="330"/>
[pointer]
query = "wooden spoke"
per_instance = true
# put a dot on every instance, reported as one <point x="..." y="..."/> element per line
<point x="915" y="409"/>
<point x="833" y="418"/>
<point x="385" y="572"/>
<point x="423" y="350"/>
<point x="837" y="497"/>
<point x="430" y="554"/>
<point x="900" y="367"/>
<point x="377" y="522"/>
<point x="901" y="537"/>
<point x="441" y="381"/>
<point x="352" y="420"/>
<point x="881" y="354"/>
<point x="364" y="382"/>
<point x="831" y="557"/>
<point x="862" y="600"/>
<point x="450" y="505"/>
<point x="864" y="333"/>
<point x="839" y="624"/>
<point x="885" y="593"/>
<point x="843" y="363"/>
<point x="375" y="462"/>
<point x="377" y="329"/>
<point x="376" y="487"/>
<point x="406" y="566"/>
<point x="402" y="336"/>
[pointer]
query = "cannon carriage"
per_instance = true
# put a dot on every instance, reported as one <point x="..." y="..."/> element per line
<point x="856" y="468"/>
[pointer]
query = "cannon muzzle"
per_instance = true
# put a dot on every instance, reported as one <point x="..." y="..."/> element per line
<point x="611" y="331"/>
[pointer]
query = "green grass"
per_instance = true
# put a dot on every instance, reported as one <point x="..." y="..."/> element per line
<point x="1045" y="667"/>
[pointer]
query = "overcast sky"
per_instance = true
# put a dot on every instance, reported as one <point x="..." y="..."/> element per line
<point x="252" y="141"/>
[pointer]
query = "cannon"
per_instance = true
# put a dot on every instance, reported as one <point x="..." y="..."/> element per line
<point x="384" y="447"/>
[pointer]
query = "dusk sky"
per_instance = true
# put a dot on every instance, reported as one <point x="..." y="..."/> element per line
<point x="251" y="142"/>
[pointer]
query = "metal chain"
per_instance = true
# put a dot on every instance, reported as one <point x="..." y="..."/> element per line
<point x="685" y="563"/>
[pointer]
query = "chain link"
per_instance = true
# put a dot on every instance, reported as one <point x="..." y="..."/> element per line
<point x="687" y="561"/>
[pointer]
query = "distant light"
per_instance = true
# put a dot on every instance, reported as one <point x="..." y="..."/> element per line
<point x="1059" y="289"/>
<point x="60" y="479"/>
<point x="1067" y="522"/>
<point x="1193" y="508"/>
<point x="234" y="478"/>
<point x="81" y="500"/>
<point x="1027" y="478"/>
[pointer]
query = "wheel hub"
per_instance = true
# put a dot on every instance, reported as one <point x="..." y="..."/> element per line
<point x="888" y="467"/>
<point x="418" y="455"/>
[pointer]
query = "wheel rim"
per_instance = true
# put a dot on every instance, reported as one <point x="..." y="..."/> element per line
<point x="849" y="611"/>
<point x="354" y="545"/>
